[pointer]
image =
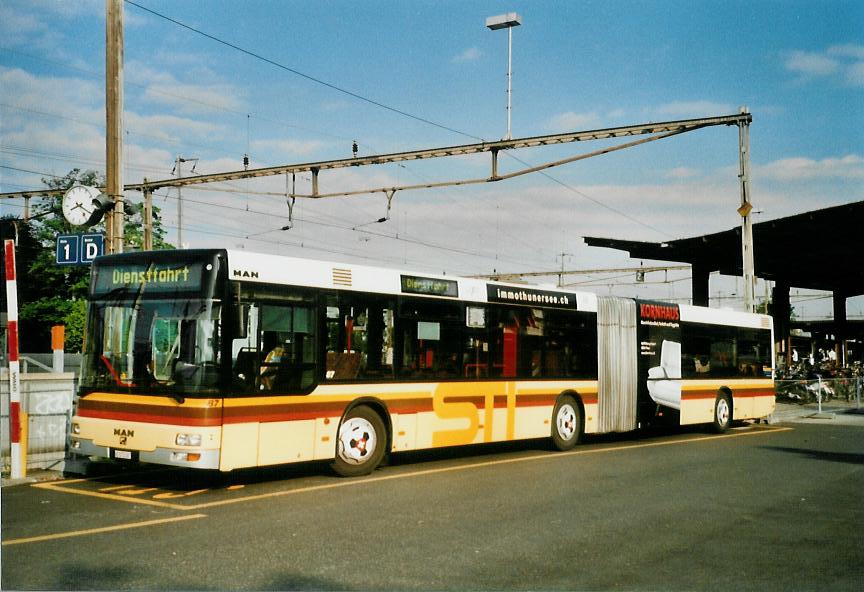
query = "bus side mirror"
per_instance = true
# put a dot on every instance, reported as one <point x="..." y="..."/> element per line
<point x="241" y="320"/>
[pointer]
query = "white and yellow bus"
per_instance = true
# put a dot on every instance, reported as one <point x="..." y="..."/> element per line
<point x="221" y="359"/>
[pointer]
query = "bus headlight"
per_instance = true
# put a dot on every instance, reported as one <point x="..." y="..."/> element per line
<point x="188" y="440"/>
<point x="76" y="428"/>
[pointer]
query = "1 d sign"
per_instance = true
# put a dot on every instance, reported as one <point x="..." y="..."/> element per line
<point x="92" y="246"/>
<point x="79" y="249"/>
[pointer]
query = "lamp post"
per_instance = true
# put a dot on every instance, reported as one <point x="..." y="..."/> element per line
<point x="177" y="162"/>
<point x="506" y="21"/>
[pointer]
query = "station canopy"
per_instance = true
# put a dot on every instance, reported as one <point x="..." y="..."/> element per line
<point x="819" y="250"/>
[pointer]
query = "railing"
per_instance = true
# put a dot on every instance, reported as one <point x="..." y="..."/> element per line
<point x="820" y="390"/>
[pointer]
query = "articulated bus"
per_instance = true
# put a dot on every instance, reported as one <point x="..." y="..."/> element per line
<point x="219" y="359"/>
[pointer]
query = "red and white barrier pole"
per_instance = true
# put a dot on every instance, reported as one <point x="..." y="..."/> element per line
<point x="14" y="365"/>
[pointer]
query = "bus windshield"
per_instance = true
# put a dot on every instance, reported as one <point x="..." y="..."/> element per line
<point x="154" y="324"/>
<point x="153" y="346"/>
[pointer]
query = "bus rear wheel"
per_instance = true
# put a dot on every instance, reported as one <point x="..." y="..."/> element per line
<point x="566" y="423"/>
<point x="361" y="442"/>
<point x="722" y="412"/>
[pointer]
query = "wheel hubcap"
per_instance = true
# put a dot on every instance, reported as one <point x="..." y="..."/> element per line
<point x="565" y="422"/>
<point x="722" y="412"/>
<point x="357" y="441"/>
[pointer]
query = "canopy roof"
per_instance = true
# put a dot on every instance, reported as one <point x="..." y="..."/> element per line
<point x="820" y="250"/>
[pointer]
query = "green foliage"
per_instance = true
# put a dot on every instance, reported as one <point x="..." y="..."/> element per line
<point x="49" y="294"/>
<point x="75" y="321"/>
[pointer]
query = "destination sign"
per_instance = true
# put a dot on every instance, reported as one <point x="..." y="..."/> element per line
<point x="432" y="286"/>
<point x="530" y="296"/>
<point x="163" y="278"/>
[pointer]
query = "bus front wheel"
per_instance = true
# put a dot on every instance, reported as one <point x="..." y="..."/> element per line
<point x="566" y="423"/>
<point x="722" y="412"/>
<point x="361" y="442"/>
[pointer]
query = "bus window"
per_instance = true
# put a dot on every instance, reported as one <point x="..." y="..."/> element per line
<point x="244" y="350"/>
<point x="719" y="351"/>
<point x="547" y="343"/>
<point x="158" y="345"/>
<point x="432" y="339"/>
<point x="287" y="335"/>
<point x="476" y="340"/>
<point x="359" y="338"/>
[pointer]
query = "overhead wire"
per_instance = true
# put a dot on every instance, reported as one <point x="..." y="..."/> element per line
<point x="414" y="241"/>
<point x="383" y="106"/>
<point x="302" y="74"/>
<point x="361" y="98"/>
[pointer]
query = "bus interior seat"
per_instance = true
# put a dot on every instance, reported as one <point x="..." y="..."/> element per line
<point x="664" y="381"/>
<point x="244" y="365"/>
<point x="343" y="365"/>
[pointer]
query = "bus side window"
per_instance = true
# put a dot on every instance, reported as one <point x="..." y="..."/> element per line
<point x="360" y="338"/>
<point x="287" y="334"/>
<point x="244" y="351"/>
<point x="433" y="339"/>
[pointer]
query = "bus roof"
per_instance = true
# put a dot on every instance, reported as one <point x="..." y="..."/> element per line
<point x="276" y="269"/>
<point x="245" y="266"/>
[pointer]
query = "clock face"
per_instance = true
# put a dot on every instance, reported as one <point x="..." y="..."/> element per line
<point x="78" y="207"/>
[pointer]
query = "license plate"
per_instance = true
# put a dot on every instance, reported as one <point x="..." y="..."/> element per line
<point x="123" y="454"/>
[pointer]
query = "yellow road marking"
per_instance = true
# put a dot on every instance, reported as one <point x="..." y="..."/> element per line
<point x="111" y="496"/>
<point x="421" y="473"/>
<point x="75" y="533"/>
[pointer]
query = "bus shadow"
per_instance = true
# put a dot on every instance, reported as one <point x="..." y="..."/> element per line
<point x="182" y="480"/>
<point x="854" y="458"/>
<point x="471" y="452"/>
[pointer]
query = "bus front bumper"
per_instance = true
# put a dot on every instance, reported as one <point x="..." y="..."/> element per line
<point x="196" y="459"/>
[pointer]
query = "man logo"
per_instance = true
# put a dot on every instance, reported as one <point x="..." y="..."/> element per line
<point x="124" y="434"/>
<point x="242" y="273"/>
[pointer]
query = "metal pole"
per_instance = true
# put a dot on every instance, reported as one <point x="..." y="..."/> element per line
<point x="509" y="78"/>
<point x="148" y="219"/>
<point x="819" y="394"/>
<point x="114" y="119"/>
<point x="858" y="381"/>
<point x="748" y="266"/>
<point x="177" y="164"/>
<point x="14" y="364"/>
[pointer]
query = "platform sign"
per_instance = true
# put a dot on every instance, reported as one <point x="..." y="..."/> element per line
<point x="92" y="246"/>
<point x="79" y="249"/>
<point x="68" y="249"/>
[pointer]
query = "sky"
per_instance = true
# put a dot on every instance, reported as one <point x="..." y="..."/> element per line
<point x="291" y="82"/>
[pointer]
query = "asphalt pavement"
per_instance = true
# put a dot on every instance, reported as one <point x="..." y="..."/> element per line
<point x="837" y="412"/>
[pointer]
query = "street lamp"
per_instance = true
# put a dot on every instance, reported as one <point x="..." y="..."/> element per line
<point x="177" y="162"/>
<point x="506" y="21"/>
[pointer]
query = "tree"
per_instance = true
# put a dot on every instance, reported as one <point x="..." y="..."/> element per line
<point x="53" y="294"/>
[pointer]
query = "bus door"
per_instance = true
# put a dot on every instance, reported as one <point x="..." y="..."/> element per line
<point x="659" y="360"/>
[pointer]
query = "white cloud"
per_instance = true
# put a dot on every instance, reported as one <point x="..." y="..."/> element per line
<point x="191" y="98"/>
<point x="802" y="169"/>
<point x="203" y="95"/>
<point x="570" y="121"/>
<point x="169" y="127"/>
<point x="843" y="61"/>
<point x="811" y="64"/>
<point x="469" y="55"/>
<point x="855" y="74"/>
<point x="679" y="173"/>
<point x="280" y="150"/>
<point x="849" y="50"/>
